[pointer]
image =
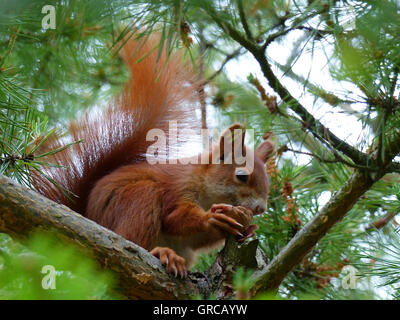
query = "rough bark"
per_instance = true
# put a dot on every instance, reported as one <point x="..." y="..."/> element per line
<point x="141" y="276"/>
<point x="233" y="256"/>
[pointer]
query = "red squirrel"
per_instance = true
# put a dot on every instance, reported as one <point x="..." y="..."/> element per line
<point x="172" y="210"/>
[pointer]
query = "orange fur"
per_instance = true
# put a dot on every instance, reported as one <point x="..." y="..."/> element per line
<point x="173" y="210"/>
<point x="156" y="93"/>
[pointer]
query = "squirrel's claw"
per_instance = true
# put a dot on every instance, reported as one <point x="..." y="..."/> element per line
<point x="231" y="219"/>
<point x="249" y="233"/>
<point x="226" y="223"/>
<point x="240" y="214"/>
<point x="174" y="263"/>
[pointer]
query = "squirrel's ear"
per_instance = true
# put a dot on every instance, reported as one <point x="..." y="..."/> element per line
<point x="232" y="137"/>
<point x="266" y="148"/>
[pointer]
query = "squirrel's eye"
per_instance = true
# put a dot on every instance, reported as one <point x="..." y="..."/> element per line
<point x="242" y="176"/>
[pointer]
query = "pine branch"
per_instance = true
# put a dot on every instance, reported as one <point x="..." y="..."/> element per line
<point x="228" y="58"/>
<point x="340" y="203"/>
<point x="321" y="159"/>
<point x="140" y="275"/>
<point x="297" y="25"/>
<point x="304" y="240"/>
<point x="381" y="222"/>
<point x="310" y="123"/>
<point x="244" y="20"/>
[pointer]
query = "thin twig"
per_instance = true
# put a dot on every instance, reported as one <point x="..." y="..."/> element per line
<point x="244" y="20"/>
<point x="228" y="58"/>
<point x="380" y="223"/>
<point x="320" y="159"/>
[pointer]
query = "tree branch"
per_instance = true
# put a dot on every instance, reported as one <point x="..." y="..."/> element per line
<point x="140" y="275"/>
<point x="341" y="202"/>
<point x="337" y="159"/>
<point x="312" y="232"/>
<point x="318" y="130"/>
<point x="244" y="20"/>
<point x="312" y="124"/>
<point x="381" y="222"/>
<point x="228" y="58"/>
<point x="336" y="208"/>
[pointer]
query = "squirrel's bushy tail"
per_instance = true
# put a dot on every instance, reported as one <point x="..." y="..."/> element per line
<point x="160" y="89"/>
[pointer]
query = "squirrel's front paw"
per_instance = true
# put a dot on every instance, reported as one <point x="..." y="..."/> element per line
<point x="231" y="219"/>
<point x="240" y="214"/>
<point x="171" y="260"/>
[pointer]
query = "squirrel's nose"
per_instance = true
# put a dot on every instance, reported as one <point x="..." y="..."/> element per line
<point x="259" y="209"/>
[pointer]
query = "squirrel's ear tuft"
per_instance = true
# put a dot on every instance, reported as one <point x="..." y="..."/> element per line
<point x="231" y="139"/>
<point x="265" y="150"/>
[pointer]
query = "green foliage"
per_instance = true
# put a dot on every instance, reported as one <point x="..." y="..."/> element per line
<point x="204" y="261"/>
<point x="242" y="281"/>
<point x="49" y="76"/>
<point x="72" y="64"/>
<point x="369" y="57"/>
<point x="380" y="261"/>
<point x="22" y="272"/>
<point x="46" y="76"/>
<point x="24" y="130"/>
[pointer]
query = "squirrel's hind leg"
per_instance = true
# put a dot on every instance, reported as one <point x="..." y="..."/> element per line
<point x="137" y="211"/>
